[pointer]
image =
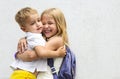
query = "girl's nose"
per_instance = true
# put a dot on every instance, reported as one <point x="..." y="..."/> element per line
<point x="46" y="26"/>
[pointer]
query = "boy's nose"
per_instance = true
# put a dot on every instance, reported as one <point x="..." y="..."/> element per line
<point x="39" y="24"/>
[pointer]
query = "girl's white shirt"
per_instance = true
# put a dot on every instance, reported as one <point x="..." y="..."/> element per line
<point x="48" y="73"/>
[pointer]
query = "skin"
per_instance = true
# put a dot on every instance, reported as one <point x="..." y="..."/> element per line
<point x="54" y="43"/>
<point x="33" y="24"/>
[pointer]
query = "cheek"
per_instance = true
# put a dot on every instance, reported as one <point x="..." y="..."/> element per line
<point x="55" y="32"/>
<point x="49" y="32"/>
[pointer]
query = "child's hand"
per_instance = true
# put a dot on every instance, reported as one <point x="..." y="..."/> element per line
<point x="22" y="45"/>
<point x="61" y="51"/>
<point x="28" y="55"/>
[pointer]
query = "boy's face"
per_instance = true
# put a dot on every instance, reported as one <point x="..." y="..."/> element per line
<point x="33" y="24"/>
<point x="50" y="28"/>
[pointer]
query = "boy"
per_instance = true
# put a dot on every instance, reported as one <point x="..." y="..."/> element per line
<point x="29" y="21"/>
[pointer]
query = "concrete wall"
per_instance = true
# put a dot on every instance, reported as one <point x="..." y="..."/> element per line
<point x="93" y="28"/>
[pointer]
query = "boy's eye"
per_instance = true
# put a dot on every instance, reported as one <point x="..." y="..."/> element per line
<point x="38" y="20"/>
<point x="43" y="23"/>
<point x="32" y="23"/>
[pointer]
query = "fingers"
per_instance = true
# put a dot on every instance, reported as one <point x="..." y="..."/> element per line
<point x="18" y="47"/>
<point x="64" y="49"/>
<point x="22" y="45"/>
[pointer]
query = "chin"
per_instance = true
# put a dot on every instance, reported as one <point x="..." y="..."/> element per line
<point x="48" y="36"/>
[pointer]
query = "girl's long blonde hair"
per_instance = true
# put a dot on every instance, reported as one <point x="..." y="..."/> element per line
<point x="59" y="18"/>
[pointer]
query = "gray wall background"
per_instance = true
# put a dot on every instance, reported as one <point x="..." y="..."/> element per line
<point x="93" y="28"/>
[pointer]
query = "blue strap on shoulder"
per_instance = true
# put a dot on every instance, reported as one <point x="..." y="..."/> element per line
<point x="53" y="70"/>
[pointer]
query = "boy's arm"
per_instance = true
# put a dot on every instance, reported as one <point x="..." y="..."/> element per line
<point x="42" y="52"/>
<point x="30" y="55"/>
<point x="49" y="51"/>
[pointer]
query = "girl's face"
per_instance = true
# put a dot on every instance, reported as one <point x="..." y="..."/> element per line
<point x="49" y="26"/>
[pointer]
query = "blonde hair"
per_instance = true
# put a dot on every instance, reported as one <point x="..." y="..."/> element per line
<point x="23" y="14"/>
<point x="59" y="18"/>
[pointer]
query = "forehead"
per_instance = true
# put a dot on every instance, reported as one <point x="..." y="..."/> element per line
<point x="36" y="15"/>
<point x="33" y="17"/>
<point x="46" y="17"/>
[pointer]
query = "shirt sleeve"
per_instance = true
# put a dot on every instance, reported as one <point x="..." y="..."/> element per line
<point x="35" y="40"/>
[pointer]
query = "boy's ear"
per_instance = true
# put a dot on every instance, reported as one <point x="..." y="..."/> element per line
<point x="23" y="28"/>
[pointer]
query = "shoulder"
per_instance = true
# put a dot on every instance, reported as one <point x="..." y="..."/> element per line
<point x="56" y="39"/>
<point x="55" y="42"/>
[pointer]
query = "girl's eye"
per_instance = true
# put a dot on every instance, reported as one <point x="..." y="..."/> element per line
<point x="50" y="23"/>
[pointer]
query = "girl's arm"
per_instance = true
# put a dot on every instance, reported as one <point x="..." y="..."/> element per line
<point x="22" y="45"/>
<point x="27" y="55"/>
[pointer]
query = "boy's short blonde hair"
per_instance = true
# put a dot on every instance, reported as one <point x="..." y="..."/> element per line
<point x="23" y="14"/>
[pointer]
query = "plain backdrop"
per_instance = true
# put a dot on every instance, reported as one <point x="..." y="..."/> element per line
<point x="93" y="29"/>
